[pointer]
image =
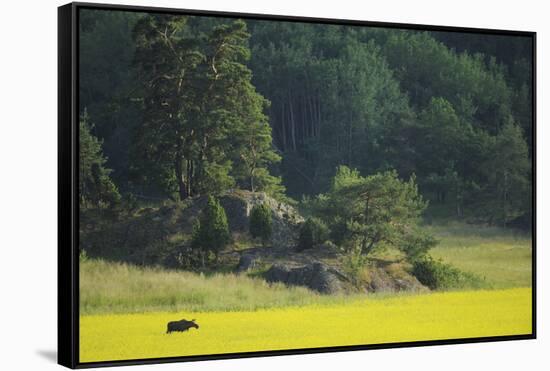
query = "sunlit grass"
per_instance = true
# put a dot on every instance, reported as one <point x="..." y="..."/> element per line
<point x="367" y="321"/>
<point x="122" y="288"/>
<point x="502" y="257"/>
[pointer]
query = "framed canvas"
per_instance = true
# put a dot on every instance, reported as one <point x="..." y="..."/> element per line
<point x="240" y="185"/>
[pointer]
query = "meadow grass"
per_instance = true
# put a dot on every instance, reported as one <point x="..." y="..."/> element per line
<point x="503" y="257"/>
<point x="433" y="316"/>
<point x="107" y="287"/>
<point x="124" y="309"/>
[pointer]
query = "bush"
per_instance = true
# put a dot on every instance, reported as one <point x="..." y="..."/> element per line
<point x="211" y="231"/>
<point x="312" y="233"/>
<point x="353" y="264"/>
<point x="372" y="212"/>
<point x="183" y="257"/>
<point x="96" y="187"/>
<point x="416" y="243"/>
<point x="438" y="275"/>
<point x="83" y="256"/>
<point x="260" y="223"/>
<point x="130" y="202"/>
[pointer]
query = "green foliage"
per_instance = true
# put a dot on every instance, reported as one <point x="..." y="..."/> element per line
<point x="443" y="136"/>
<point x="95" y="185"/>
<point x="211" y="231"/>
<point x="129" y="202"/>
<point x="313" y="232"/>
<point x="512" y="52"/>
<point x="507" y="194"/>
<point x="253" y="143"/>
<point x="105" y="88"/>
<point x="416" y="243"/>
<point x="373" y="212"/>
<point x="215" y="177"/>
<point x="353" y="264"/>
<point x="196" y="105"/>
<point x="83" y="256"/>
<point x="438" y="275"/>
<point x="331" y="97"/>
<point x="306" y="237"/>
<point x="261" y="223"/>
<point x="203" y="128"/>
<point x="426" y="68"/>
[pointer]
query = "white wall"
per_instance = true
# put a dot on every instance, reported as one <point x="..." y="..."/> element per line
<point x="28" y="60"/>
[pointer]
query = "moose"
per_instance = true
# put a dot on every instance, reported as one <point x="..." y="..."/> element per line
<point x="180" y="326"/>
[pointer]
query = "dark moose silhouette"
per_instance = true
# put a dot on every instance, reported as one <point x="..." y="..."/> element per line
<point x="180" y="326"/>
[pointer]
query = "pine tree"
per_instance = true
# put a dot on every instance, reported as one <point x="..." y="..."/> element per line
<point x="312" y="233"/>
<point x="372" y="212"/>
<point x="261" y="223"/>
<point x="211" y="231"/>
<point x="255" y="155"/>
<point x="507" y="194"/>
<point x="95" y="186"/>
<point x="201" y="111"/>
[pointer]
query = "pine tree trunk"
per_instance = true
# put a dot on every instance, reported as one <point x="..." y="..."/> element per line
<point x="350" y="139"/>
<point x="318" y="117"/>
<point x="189" y="177"/>
<point x="292" y="124"/>
<point x="283" y="125"/>
<point x="178" y="167"/>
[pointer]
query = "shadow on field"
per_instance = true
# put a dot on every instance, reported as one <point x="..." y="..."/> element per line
<point x="50" y="355"/>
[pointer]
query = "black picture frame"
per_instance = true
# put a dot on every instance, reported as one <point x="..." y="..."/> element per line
<point x="68" y="149"/>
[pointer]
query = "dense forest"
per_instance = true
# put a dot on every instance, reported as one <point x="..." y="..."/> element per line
<point x="176" y="107"/>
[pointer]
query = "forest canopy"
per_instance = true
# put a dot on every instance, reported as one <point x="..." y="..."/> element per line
<point x="182" y="106"/>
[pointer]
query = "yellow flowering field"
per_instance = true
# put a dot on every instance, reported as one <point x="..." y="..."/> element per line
<point x="401" y="318"/>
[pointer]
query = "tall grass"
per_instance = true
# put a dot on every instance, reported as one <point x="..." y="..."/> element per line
<point x="107" y="287"/>
<point x="501" y="257"/>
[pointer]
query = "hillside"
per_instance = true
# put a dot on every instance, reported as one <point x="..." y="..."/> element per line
<point x="160" y="236"/>
<point x="148" y="235"/>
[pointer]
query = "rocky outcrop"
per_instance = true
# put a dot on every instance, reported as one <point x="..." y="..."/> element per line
<point x="239" y="203"/>
<point x="327" y="279"/>
<point x="382" y="280"/>
<point x="246" y="263"/>
<point x="316" y="276"/>
<point x="285" y="219"/>
<point x="145" y="236"/>
<point x="160" y="236"/>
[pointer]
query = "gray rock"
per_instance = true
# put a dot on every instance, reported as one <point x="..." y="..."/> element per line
<point x="382" y="281"/>
<point x="316" y="276"/>
<point x="411" y="284"/>
<point x="285" y="219"/>
<point x="238" y="204"/>
<point x="246" y="263"/>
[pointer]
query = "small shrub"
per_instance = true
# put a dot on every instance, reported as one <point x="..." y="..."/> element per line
<point x="211" y="230"/>
<point x="416" y="244"/>
<point x="330" y="246"/>
<point x="353" y="264"/>
<point x="83" y="256"/>
<point x="438" y="275"/>
<point x="260" y="223"/>
<point x="182" y="257"/>
<point x="129" y="202"/>
<point x="312" y="233"/>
